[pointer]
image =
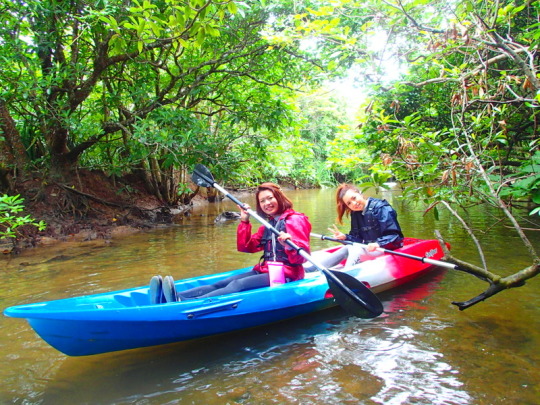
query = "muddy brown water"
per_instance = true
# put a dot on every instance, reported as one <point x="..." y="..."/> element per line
<point x="423" y="350"/>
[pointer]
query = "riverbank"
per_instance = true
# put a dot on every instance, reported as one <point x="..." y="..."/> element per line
<point x="95" y="207"/>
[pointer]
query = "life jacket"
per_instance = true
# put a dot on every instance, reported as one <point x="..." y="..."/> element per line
<point x="273" y="250"/>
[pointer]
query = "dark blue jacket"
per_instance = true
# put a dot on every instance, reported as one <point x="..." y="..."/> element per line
<point x="376" y="223"/>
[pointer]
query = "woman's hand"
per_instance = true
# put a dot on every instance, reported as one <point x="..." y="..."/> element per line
<point x="372" y="247"/>
<point x="337" y="233"/>
<point x="282" y="237"/>
<point x="244" y="216"/>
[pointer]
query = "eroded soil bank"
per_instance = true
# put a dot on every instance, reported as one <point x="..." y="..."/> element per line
<point x="94" y="207"/>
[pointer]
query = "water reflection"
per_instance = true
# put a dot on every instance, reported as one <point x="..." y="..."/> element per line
<point x="422" y="351"/>
<point x="407" y="371"/>
<point x="218" y="367"/>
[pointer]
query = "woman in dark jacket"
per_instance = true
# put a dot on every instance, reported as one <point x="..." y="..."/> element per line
<point x="373" y="223"/>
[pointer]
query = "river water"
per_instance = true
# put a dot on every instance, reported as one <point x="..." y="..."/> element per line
<point x="422" y="350"/>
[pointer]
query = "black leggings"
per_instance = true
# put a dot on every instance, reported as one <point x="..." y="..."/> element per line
<point x="236" y="283"/>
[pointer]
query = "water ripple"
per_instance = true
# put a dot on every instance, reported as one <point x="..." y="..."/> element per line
<point x="408" y="369"/>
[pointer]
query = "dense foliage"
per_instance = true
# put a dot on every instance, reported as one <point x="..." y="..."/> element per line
<point x="153" y="87"/>
<point x="454" y="106"/>
<point x="145" y="87"/>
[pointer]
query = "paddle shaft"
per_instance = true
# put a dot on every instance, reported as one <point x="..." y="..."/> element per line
<point x="419" y="258"/>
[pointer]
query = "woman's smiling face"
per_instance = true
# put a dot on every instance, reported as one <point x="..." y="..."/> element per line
<point x="354" y="200"/>
<point x="268" y="203"/>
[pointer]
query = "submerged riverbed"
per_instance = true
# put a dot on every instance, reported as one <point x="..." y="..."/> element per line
<point x="423" y="350"/>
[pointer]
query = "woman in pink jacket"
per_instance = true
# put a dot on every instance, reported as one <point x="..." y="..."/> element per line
<point x="273" y="205"/>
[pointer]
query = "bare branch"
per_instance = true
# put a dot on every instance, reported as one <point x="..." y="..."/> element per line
<point x="470" y="232"/>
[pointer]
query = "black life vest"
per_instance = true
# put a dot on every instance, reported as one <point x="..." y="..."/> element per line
<point x="273" y="250"/>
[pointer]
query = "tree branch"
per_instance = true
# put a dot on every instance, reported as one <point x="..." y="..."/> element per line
<point x="496" y="283"/>
<point x="469" y="231"/>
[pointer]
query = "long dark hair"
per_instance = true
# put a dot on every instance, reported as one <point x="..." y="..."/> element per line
<point x="341" y="206"/>
<point x="283" y="202"/>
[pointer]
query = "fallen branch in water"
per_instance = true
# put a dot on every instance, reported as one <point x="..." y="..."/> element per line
<point x="496" y="282"/>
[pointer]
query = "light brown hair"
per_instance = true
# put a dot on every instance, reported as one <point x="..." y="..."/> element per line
<point x="341" y="206"/>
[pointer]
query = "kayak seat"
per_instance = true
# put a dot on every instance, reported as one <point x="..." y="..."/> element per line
<point x="134" y="299"/>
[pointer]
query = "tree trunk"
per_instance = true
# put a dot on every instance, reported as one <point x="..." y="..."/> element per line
<point x="13" y="152"/>
<point x="61" y="164"/>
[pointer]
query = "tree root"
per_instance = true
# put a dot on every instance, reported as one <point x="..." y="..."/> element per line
<point x="92" y="197"/>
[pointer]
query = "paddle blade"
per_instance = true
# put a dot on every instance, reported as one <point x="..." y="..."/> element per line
<point x="353" y="295"/>
<point x="201" y="176"/>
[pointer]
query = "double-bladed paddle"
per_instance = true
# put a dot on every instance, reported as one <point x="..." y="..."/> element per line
<point x="353" y="295"/>
<point x="392" y="252"/>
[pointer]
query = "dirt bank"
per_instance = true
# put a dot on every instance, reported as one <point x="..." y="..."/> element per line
<point x="93" y="207"/>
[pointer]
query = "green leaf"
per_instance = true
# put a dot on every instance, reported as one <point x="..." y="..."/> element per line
<point x="231" y="6"/>
<point x="536" y="196"/>
<point x="200" y="37"/>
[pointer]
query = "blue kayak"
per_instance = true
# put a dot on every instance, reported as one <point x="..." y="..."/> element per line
<point x="126" y="319"/>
